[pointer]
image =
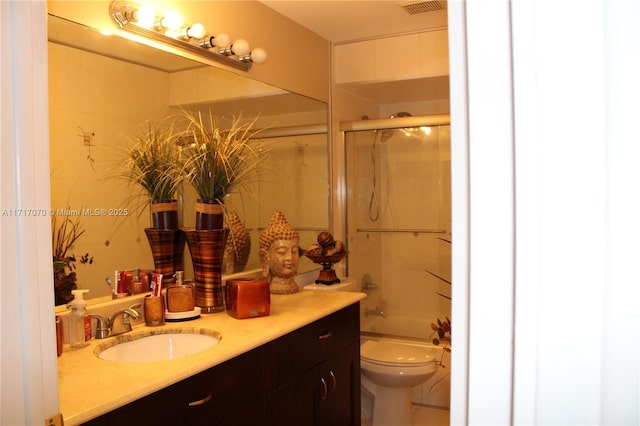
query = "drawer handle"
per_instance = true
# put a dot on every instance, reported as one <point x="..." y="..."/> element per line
<point x="325" y="391"/>
<point x="201" y="401"/>
<point x="325" y="336"/>
<point x="334" y="381"/>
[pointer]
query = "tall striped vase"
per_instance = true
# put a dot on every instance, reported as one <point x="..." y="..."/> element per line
<point x="167" y="248"/>
<point x="207" y="250"/>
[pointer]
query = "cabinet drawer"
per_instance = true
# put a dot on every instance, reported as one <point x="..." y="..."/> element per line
<point x="224" y="390"/>
<point x="160" y="408"/>
<point x="302" y="349"/>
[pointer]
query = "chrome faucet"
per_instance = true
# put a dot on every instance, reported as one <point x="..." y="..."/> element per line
<point x="102" y="327"/>
<point x="116" y="324"/>
<point x="119" y="322"/>
<point x="375" y="311"/>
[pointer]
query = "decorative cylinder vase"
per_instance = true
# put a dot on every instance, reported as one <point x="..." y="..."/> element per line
<point x="207" y="250"/>
<point x="164" y="215"/>
<point x="167" y="248"/>
<point x="209" y="215"/>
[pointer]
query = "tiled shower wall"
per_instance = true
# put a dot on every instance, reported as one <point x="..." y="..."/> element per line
<point x="412" y="234"/>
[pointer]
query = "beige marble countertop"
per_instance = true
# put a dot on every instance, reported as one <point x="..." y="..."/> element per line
<point x="90" y="387"/>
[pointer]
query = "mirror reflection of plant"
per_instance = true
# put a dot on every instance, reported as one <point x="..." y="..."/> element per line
<point x="154" y="164"/>
<point x="219" y="162"/>
<point x="65" y="234"/>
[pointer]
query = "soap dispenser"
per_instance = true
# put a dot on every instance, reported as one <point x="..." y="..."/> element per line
<point x="79" y="321"/>
<point x="180" y="296"/>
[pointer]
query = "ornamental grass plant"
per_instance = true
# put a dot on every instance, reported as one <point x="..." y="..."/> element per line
<point x="153" y="163"/>
<point x="219" y="162"/>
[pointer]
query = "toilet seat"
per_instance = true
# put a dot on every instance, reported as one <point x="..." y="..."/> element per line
<point x="394" y="354"/>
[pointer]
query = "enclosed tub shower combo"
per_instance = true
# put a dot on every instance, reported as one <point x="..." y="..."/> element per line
<point x="398" y="233"/>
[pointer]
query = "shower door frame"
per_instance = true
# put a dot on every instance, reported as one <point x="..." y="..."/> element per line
<point x="381" y="124"/>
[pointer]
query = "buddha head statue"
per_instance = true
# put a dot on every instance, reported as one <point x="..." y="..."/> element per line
<point x="280" y="254"/>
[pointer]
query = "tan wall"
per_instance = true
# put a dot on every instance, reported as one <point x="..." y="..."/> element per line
<point x="298" y="59"/>
<point x="91" y="97"/>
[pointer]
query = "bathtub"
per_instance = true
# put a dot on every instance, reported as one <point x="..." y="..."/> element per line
<point x="436" y="391"/>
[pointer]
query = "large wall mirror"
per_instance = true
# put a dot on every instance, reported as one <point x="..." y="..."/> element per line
<point x="104" y="90"/>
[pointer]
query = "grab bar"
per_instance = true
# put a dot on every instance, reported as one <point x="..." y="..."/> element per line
<point x="411" y="231"/>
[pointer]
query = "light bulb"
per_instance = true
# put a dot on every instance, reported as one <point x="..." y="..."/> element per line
<point x="426" y="130"/>
<point x="259" y="55"/>
<point x="241" y="47"/>
<point x="145" y="16"/>
<point x="171" y="21"/>
<point x="197" y="30"/>
<point x="222" y="40"/>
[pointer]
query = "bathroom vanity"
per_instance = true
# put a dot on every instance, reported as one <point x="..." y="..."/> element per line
<point x="300" y="365"/>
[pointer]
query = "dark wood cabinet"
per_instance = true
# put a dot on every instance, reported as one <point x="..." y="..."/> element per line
<point x="310" y="376"/>
<point x="318" y="372"/>
<point x="326" y="394"/>
<point x="230" y="393"/>
<point x="159" y="408"/>
<point x="342" y="405"/>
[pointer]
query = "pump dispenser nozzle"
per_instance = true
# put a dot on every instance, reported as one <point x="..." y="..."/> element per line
<point x="78" y="298"/>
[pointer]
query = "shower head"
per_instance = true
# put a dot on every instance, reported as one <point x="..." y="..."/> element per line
<point x="385" y="134"/>
<point x="400" y="114"/>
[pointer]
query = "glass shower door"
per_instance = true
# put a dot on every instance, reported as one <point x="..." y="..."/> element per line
<point x="399" y="227"/>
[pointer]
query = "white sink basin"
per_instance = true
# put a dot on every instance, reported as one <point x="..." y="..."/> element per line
<point x="157" y="345"/>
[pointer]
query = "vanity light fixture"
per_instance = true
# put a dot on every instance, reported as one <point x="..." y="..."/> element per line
<point x="196" y="31"/>
<point x="168" y="28"/>
<point x="170" y="21"/>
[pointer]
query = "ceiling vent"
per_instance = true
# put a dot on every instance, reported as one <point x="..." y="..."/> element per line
<point x="419" y="7"/>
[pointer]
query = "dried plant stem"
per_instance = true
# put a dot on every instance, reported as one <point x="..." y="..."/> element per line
<point x="154" y="164"/>
<point x="65" y="234"/>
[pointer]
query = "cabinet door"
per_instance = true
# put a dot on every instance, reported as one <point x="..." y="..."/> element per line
<point x="328" y="394"/>
<point x="296" y="403"/>
<point x="305" y="348"/>
<point x="252" y="414"/>
<point x="341" y="373"/>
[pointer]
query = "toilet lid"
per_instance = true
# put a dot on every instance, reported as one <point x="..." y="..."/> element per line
<point x="394" y="353"/>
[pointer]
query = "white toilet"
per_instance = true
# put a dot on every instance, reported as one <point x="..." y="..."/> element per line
<point x="389" y="371"/>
